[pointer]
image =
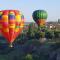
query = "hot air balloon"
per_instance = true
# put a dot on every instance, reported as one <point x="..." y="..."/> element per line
<point x="40" y="17"/>
<point x="11" y="24"/>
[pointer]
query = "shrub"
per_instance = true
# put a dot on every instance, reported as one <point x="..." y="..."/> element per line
<point x="57" y="34"/>
<point x="49" y="34"/>
<point x="42" y="34"/>
<point x="28" y="57"/>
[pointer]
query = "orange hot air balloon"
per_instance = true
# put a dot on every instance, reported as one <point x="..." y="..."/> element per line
<point x="11" y="24"/>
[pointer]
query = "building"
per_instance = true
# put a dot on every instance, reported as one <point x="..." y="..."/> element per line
<point x="53" y="25"/>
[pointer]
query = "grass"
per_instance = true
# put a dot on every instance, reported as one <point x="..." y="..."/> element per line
<point x="18" y="51"/>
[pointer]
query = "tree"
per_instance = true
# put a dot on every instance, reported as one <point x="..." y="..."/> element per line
<point x="30" y="32"/>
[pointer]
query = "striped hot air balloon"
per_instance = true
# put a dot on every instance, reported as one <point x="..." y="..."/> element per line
<point x="40" y="17"/>
<point x="11" y="24"/>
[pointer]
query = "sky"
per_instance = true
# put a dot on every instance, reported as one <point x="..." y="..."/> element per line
<point x="28" y="6"/>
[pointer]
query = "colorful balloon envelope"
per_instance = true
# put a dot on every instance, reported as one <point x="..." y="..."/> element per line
<point x="11" y="24"/>
<point x="40" y="17"/>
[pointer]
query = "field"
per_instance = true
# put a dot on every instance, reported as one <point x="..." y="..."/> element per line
<point x="37" y="50"/>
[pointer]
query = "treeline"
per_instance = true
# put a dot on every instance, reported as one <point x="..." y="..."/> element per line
<point x="34" y="32"/>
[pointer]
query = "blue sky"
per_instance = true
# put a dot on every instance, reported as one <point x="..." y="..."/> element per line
<point x="28" y="6"/>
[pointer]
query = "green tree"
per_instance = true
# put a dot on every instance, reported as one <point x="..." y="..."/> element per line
<point x="30" y="32"/>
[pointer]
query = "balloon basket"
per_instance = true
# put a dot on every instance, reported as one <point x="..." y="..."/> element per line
<point x="10" y="45"/>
